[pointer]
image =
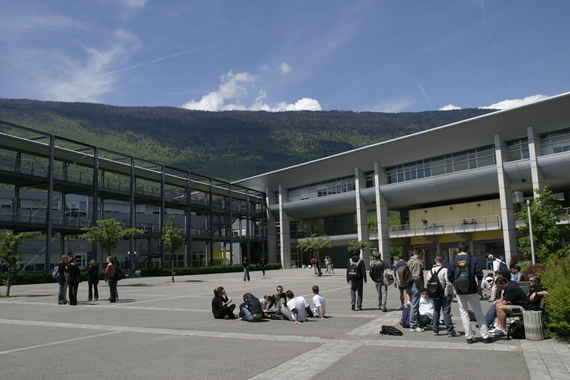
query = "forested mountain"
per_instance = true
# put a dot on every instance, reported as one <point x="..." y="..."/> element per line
<point x="227" y="145"/>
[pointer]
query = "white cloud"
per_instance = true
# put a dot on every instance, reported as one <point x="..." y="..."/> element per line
<point x="234" y="87"/>
<point x="449" y="107"/>
<point x="72" y="80"/>
<point x="285" y="68"/>
<point x="512" y="103"/>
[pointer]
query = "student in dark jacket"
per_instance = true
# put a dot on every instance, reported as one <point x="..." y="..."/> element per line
<point x="221" y="305"/>
<point x="93" y="280"/>
<point x="356" y="280"/>
<point x="250" y="309"/>
<point x="470" y="297"/>
<point x="73" y="279"/>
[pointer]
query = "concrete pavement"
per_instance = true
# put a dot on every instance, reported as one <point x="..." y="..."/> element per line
<point x="165" y="330"/>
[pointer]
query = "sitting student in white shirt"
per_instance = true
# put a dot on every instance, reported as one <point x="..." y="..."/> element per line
<point x="319" y="305"/>
<point x="297" y="308"/>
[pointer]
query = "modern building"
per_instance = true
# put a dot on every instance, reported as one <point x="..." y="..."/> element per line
<point x="56" y="186"/>
<point x="449" y="184"/>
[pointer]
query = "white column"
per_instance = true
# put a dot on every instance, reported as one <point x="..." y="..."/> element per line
<point x="534" y="151"/>
<point x="381" y="213"/>
<point x="284" y="232"/>
<point x="507" y="216"/>
<point x="271" y="229"/>
<point x="361" y="213"/>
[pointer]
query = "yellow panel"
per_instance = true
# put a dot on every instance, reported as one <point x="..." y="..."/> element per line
<point x="487" y="235"/>
<point x="450" y="239"/>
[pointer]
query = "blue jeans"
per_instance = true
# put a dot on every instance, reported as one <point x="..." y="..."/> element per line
<point x="491" y="315"/>
<point x="60" y="295"/>
<point x="112" y="288"/>
<point x="245" y="313"/>
<point x="445" y="305"/>
<point x="415" y="294"/>
<point x="245" y="274"/>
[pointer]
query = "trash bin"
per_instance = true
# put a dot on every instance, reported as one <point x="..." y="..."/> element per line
<point x="533" y="327"/>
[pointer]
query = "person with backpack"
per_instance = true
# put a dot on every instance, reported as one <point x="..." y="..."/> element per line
<point x="416" y="269"/>
<point x="465" y="274"/>
<point x="377" y="275"/>
<point x="355" y="276"/>
<point x="441" y="291"/>
<point x="397" y="283"/>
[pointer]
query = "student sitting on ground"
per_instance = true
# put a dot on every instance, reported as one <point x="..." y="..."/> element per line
<point x="297" y="308"/>
<point x="250" y="309"/>
<point x="319" y="306"/>
<point x="221" y="305"/>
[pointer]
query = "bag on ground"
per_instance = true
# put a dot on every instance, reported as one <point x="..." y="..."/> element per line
<point x="390" y="330"/>
<point x="516" y="330"/>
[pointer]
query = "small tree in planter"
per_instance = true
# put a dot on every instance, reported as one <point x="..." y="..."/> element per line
<point x="9" y="244"/>
<point x="355" y="245"/>
<point x="316" y="245"/>
<point x="172" y="237"/>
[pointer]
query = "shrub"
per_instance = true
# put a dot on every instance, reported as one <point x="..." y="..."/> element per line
<point x="556" y="279"/>
<point x="204" y="270"/>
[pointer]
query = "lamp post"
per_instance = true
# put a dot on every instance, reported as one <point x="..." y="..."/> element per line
<point x="518" y="199"/>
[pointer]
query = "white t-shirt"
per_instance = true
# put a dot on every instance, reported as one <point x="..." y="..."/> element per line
<point x="426" y="307"/>
<point x="319" y="300"/>
<point x="300" y="304"/>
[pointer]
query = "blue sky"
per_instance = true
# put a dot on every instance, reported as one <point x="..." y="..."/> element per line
<point x="384" y="56"/>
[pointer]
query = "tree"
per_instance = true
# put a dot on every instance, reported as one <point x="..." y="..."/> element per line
<point x="9" y="244"/>
<point x="354" y="245"/>
<point x="316" y="245"/>
<point x="108" y="234"/>
<point x="545" y="212"/>
<point x="172" y="237"/>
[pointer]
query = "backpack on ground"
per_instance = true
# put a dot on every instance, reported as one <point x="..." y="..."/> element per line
<point x="55" y="273"/>
<point x="462" y="275"/>
<point x="390" y="330"/>
<point x="434" y="287"/>
<point x="405" y="322"/>
<point x="516" y="330"/>
<point x="503" y="266"/>
<point x="353" y="269"/>
<point x="388" y="275"/>
<point x="405" y="279"/>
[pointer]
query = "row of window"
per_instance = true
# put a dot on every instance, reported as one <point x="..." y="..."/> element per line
<point x="551" y="143"/>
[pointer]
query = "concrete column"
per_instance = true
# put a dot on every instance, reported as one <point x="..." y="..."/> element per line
<point x="361" y="212"/>
<point x="271" y="230"/>
<point x="284" y="231"/>
<point x="534" y="151"/>
<point x="507" y="216"/>
<point x="381" y="213"/>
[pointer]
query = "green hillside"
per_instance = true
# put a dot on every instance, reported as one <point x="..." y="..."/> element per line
<point x="227" y="145"/>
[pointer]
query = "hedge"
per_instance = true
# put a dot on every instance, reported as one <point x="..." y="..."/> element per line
<point x="205" y="270"/>
<point x="46" y="277"/>
<point x="556" y="279"/>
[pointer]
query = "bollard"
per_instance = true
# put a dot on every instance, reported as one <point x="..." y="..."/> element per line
<point x="533" y="327"/>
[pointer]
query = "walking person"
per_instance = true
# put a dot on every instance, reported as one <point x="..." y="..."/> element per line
<point x="377" y="275"/>
<point x="245" y="268"/>
<point x="110" y="279"/>
<point x="263" y="265"/>
<point x="465" y="274"/>
<point x="93" y="280"/>
<point x="355" y="276"/>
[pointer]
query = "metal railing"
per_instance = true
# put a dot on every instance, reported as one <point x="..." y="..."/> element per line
<point x="454" y="226"/>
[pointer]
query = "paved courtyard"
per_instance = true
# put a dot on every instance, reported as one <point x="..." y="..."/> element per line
<point x="165" y="330"/>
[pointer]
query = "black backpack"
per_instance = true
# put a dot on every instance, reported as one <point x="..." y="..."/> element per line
<point x="353" y="270"/>
<point x="434" y="287"/>
<point x="463" y="276"/>
<point x="390" y="330"/>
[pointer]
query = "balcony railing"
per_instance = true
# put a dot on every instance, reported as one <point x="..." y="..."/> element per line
<point x="441" y="227"/>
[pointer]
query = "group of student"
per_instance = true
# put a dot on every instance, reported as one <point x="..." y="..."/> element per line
<point x="68" y="276"/>
<point x="281" y="305"/>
